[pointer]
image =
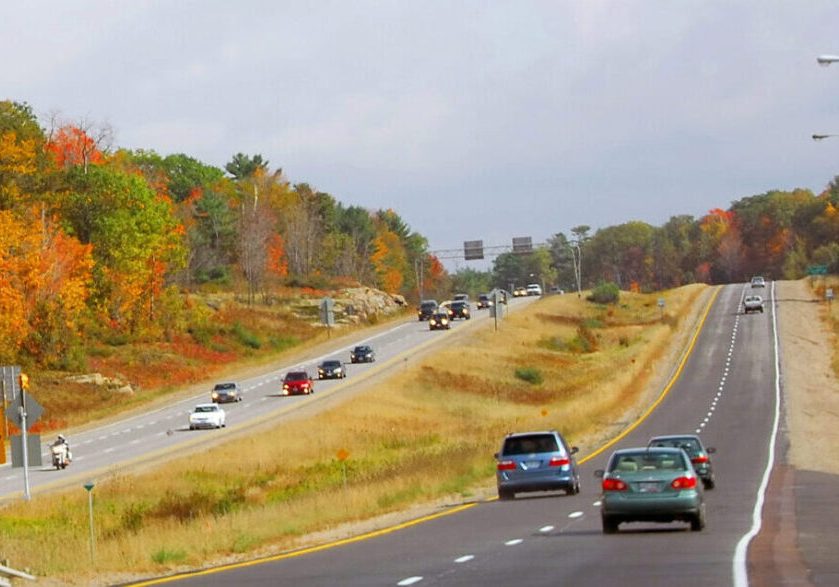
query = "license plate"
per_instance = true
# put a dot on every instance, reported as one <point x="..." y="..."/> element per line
<point x="531" y="465"/>
<point x="649" y="487"/>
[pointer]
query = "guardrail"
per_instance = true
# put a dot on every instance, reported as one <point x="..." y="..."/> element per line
<point x="7" y="574"/>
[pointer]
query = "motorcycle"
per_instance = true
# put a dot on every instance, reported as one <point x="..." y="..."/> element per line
<point x="60" y="456"/>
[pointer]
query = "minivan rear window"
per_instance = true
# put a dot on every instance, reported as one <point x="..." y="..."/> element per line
<point x="520" y="445"/>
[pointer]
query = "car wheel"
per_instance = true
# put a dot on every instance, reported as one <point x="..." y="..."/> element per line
<point x="506" y="494"/>
<point x="574" y="489"/>
<point x="610" y="525"/>
<point x="697" y="524"/>
<point x="710" y="482"/>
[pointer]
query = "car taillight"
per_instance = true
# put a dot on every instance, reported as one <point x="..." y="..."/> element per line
<point x="558" y="462"/>
<point x="683" y="483"/>
<point x="614" y="485"/>
<point x="507" y="466"/>
<point x="700" y="459"/>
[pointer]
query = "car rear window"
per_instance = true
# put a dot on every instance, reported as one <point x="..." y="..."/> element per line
<point x="690" y="445"/>
<point x="225" y="386"/>
<point x="297" y="376"/>
<point x="520" y="445"/>
<point x="648" y="461"/>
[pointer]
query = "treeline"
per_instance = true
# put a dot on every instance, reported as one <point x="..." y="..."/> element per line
<point x="779" y="234"/>
<point x="96" y="239"/>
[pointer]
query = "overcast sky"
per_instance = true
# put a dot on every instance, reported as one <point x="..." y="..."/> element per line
<point x="473" y="120"/>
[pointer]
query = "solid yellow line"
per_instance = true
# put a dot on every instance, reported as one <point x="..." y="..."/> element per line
<point x="308" y="550"/>
<point x="667" y="387"/>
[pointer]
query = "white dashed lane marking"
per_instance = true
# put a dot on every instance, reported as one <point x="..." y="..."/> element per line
<point x="574" y="515"/>
<point x="464" y="559"/>
<point x="546" y="529"/>
<point x="513" y="542"/>
<point x="409" y="581"/>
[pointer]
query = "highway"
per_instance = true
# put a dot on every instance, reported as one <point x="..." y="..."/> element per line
<point x="728" y="392"/>
<point x="163" y="432"/>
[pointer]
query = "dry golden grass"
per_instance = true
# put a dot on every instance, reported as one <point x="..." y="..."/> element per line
<point x="424" y="434"/>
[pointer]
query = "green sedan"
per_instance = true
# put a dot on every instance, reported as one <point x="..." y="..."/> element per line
<point x="651" y="485"/>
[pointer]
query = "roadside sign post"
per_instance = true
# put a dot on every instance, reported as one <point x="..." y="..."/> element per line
<point x="89" y="487"/>
<point x="828" y="295"/>
<point x="661" y="309"/>
<point x="327" y="314"/>
<point x="22" y="411"/>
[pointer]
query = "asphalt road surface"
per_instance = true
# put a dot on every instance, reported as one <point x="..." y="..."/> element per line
<point x="728" y="391"/>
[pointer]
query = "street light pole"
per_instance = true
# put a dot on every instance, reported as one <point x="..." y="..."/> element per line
<point x="577" y="254"/>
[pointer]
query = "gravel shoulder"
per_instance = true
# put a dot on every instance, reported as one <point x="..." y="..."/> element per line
<point x="811" y="390"/>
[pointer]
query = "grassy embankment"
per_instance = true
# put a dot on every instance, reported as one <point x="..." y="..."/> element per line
<point x="830" y="312"/>
<point x="426" y="433"/>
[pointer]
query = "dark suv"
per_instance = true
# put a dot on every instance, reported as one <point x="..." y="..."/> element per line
<point x="362" y="354"/>
<point x="698" y="453"/>
<point x="426" y="309"/>
<point x="460" y="309"/>
<point x="536" y="461"/>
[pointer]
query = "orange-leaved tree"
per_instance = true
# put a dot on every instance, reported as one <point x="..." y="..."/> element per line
<point x="71" y="146"/>
<point x="45" y="287"/>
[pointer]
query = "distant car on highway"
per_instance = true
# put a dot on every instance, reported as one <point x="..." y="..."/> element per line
<point x="534" y="289"/>
<point x="461" y="297"/>
<point x="331" y="369"/>
<point x="752" y="303"/>
<point x="298" y="382"/>
<point x="426" y="309"/>
<point x="460" y="309"/>
<point x="758" y="281"/>
<point x="536" y="461"/>
<point x="519" y="292"/>
<point x="226" y="392"/>
<point x="362" y="354"/>
<point x="484" y="301"/>
<point x="207" y="416"/>
<point x="439" y="321"/>
<point x="700" y="455"/>
<point x="650" y="484"/>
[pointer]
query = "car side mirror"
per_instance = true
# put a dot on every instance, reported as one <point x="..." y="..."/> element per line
<point x="574" y="450"/>
<point x="710" y="450"/>
<point x="599" y="473"/>
<point x="495" y="456"/>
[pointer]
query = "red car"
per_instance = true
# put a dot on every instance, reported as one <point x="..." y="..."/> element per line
<point x="297" y="382"/>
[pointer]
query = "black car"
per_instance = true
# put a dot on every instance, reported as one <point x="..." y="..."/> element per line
<point x="426" y="309"/>
<point x="362" y="354"/>
<point x="484" y="301"/>
<point x="331" y="369"/>
<point x="699" y="454"/>
<point x="439" y="321"/>
<point x="460" y="309"/>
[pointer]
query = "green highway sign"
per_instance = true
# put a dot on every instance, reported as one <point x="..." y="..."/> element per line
<point x="817" y="270"/>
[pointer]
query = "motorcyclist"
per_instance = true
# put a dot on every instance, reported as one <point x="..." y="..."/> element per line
<point x="62" y="441"/>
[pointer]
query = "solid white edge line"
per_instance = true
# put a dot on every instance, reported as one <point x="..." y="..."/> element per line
<point x="739" y="564"/>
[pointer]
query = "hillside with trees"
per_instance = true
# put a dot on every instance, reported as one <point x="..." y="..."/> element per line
<point x="107" y="246"/>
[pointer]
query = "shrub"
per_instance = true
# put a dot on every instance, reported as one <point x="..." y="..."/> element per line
<point x="246" y="337"/>
<point x="605" y="293"/>
<point x="530" y="374"/>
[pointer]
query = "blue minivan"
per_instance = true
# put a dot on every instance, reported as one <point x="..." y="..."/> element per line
<point x="536" y="461"/>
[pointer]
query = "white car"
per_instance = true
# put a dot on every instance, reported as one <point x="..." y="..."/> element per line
<point x="534" y="289"/>
<point x="207" y="416"/>
<point x="753" y="304"/>
<point x="758" y="281"/>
